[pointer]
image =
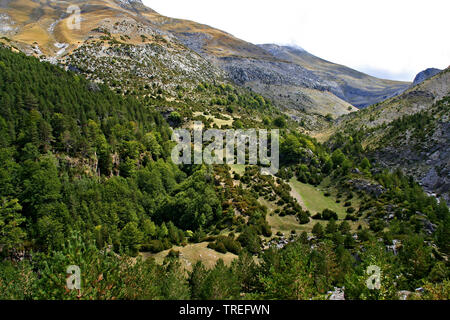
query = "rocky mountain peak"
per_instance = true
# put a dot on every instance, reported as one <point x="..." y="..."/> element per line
<point x="130" y="1"/>
<point x="424" y="75"/>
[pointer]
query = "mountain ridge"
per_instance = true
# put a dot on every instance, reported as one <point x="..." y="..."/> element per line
<point x="342" y="81"/>
<point x="424" y="75"/>
<point x="39" y="28"/>
<point x="411" y="132"/>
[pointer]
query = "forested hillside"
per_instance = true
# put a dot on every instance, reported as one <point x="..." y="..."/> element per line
<point x="410" y="132"/>
<point x="86" y="179"/>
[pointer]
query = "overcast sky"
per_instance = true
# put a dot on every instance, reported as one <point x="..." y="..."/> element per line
<point x="391" y="39"/>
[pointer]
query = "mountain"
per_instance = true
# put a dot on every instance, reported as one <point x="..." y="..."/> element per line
<point x="424" y="75"/>
<point x="411" y="132"/>
<point x="191" y="52"/>
<point x="291" y="76"/>
<point x="87" y="178"/>
<point x="357" y="88"/>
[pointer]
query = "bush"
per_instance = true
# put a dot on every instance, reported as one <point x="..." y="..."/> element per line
<point x="303" y="217"/>
<point x="221" y="248"/>
<point x="328" y="214"/>
<point x="280" y="122"/>
<point x="154" y="246"/>
<point x="212" y="245"/>
<point x="318" y="231"/>
<point x="226" y="244"/>
<point x="233" y="246"/>
<point x="198" y="236"/>
<point x="173" y="254"/>
<point x="266" y="230"/>
<point x="209" y="239"/>
<point x="351" y="210"/>
<point x="175" y="118"/>
<point x="317" y="216"/>
<point x="364" y="235"/>
<point x="377" y="225"/>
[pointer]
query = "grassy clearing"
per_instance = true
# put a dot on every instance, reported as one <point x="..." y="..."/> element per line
<point x="238" y="168"/>
<point x="192" y="253"/>
<point x="285" y="224"/>
<point x="315" y="200"/>
<point x="218" y="122"/>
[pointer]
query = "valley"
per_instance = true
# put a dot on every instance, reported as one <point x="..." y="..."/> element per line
<point x="87" y="176"/>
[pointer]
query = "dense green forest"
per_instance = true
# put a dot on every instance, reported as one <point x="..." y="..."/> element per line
<point x="86" y="179"/>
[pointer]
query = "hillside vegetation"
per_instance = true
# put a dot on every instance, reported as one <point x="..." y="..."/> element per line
<point x="410" y="132"/>
<point x="86" y="176"/>
<point x="86" y="180"/>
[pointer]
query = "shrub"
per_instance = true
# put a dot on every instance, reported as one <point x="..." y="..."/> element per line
<point x="212" y="245"/>
<point x="318" y="231"/>
<point x="303" y="217"/>
<point x="377" y="225"/>
<point x="226" y="244"/>
<point x="175" y="118"/>
<point x="317" y="216"/>
<point x="173" y="254"/>
<point x="198" y="236"/>
<point x="154" y="246"/>
<point x="233" y="246"/>
<point x="266" y="230"/>
<point x="364" y="235"/>
<point x="280" y="122"/>
<point x="328" y="214"/>
<point x="221" y="248"/>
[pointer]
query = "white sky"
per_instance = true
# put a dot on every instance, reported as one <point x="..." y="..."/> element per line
<point x="392" y="39"/>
